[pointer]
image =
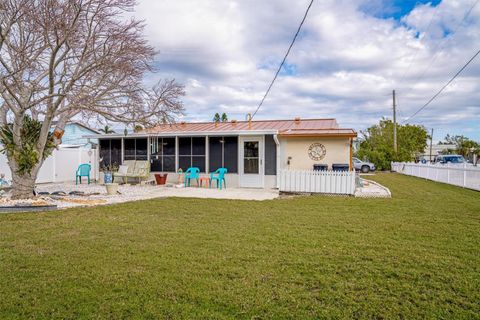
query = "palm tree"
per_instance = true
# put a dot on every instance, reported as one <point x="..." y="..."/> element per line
<point x="107" y="130"/>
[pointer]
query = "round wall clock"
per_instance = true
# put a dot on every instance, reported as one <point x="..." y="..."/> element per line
<point x="317" y="151"/>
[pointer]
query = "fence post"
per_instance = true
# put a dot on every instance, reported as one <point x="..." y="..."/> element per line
<point x="464" y="175"/>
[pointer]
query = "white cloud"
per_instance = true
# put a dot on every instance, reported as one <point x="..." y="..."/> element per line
<point x="346" y="61"/>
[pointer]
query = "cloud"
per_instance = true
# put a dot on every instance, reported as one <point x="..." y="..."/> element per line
<point x="347" y="60"/>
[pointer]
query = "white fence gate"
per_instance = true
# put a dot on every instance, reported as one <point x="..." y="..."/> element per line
<point x="60" y="166"/>
<point x="465" y="176"/>
<point x="336" y="182"/>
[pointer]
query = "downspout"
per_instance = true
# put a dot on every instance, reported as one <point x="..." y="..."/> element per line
<point x="277" y="142"/>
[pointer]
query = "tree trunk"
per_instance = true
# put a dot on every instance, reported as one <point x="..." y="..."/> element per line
<point x="23" y="185"/>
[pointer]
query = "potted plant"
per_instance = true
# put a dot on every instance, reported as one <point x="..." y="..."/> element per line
<point x="108" y="171"/>
<point x="112" y="188"/>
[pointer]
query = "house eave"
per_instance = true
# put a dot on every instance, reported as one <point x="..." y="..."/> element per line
<point x="184" y="134"/>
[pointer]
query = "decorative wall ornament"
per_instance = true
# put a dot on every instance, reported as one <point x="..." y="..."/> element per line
<point x="317" y="151"/>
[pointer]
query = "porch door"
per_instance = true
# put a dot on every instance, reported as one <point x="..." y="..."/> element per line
<point x="251" y="162"/>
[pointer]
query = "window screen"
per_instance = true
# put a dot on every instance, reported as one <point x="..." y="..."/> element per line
<point x="135" y="149"/>
<point x="191" y="153"/>
<point x="223" y="153"/>
<point x="270" y="155"/>
<point x="110" y="152"/>
<point x="162" y="151"/>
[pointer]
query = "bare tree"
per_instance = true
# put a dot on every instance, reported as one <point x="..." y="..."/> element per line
<point x="69" y="58"/>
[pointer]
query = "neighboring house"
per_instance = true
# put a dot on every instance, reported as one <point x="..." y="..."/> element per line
<point x="252" y="151"/>
<point x="74" y="135"/>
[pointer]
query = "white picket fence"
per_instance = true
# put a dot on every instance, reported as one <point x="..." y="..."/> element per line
<point x="465" y="176"/>
<point x="335" y="182"/>
<point x="61" y="165"/>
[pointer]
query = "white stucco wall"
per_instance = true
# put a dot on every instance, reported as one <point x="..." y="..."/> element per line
<point x="337" y="151"/>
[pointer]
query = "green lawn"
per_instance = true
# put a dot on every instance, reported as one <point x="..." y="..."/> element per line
<point x="414" y="256"/>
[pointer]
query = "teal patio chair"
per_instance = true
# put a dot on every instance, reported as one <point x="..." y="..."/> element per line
<point x="219" y="176"/>
<point x="191" y="173"/>
<point x="83" y="171"/>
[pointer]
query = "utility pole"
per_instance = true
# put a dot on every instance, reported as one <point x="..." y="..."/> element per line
<point x="394" y="124"/>
<point x="431" y="142"/>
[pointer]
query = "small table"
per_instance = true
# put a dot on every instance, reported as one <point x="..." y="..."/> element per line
<point x="204" y="179"/>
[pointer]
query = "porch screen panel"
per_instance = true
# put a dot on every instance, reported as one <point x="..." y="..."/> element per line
<point x="141" y="149"/>
<point x="192" y="153"/>
<point x="105" y="157"/>
<point x="215" y="146"/>
<point x="230" y="154"/>
<point x="129" y="149"/>
<point x="163" y="154"/>
<point x="168" y="154"/>
<point x="270" y="155"/>
<point x="110" y="152"/>
<point x="223" y="153"/>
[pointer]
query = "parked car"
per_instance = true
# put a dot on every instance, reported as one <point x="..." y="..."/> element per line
<point x="363" y="166"/>
<point x="449" y="159"/>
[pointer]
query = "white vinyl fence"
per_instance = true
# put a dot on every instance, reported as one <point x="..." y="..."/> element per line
<point x="61" y="165"/>
<point x="336" y="182"/>
<point x="465" y="176"/>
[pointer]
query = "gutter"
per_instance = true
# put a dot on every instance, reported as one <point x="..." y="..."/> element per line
<point x="183" y="134"/>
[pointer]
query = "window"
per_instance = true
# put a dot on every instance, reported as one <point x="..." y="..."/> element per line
<point x="162" y="152"/>
<point x="251" y="157"/>
<point x="223" y="153"/>
<point x="191" y="153"/>
<point x="135" y="149"/>
<point x="110" y="152"/>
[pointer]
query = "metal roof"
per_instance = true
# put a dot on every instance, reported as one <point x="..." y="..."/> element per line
<point x="294" y="127"/>
<point x="231" y="126"/>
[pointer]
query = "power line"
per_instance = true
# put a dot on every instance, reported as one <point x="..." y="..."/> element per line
<point x="446" y="85"/>
<point x="440" y="45"/>
<point x="421" y="41"/>
<point x="284" y="58"/>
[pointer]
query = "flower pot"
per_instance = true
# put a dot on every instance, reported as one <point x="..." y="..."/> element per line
<point x="161" y="178"/>
<point x="107" y="177"/>
<point x="112" y="188"/>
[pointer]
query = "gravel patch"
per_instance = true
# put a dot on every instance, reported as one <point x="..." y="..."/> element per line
<point x="66" y="195"/>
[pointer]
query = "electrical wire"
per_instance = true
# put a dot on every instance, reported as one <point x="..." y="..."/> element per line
<point x="284" y="59"/>
<point x="440" y="45"/>
<point x="421" y="42"/>
<point x="444" y="86"/>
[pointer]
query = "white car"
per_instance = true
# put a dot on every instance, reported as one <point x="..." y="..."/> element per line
<point x="363" y="166"/>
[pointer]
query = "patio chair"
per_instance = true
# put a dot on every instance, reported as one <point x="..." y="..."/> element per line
<point x="219" y="176"/>
<point x="83" y="171"/>
<point x="191" y="173"/>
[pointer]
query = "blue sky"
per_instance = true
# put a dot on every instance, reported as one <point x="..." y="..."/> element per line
<point x="348" y="58"/>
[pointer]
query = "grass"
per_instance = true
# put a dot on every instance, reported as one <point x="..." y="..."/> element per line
<point x="413" y="256"/>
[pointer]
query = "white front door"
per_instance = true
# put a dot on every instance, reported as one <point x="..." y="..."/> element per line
<point x="251" y="160"/>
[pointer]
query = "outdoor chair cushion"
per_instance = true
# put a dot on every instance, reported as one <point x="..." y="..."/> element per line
<point x="141" y="169"/>
<point x="122" y="170"/>
<point x="131" y="166"/>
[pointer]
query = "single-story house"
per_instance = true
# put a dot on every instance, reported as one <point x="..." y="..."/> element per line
<point x="254" y="152"/>
<point x="74" y="135"/>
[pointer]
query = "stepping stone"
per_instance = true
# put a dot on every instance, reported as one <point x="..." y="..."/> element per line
<point x="58" y="193"/>
<point x="43" y="193"/>
<point x="76" y="193"/>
